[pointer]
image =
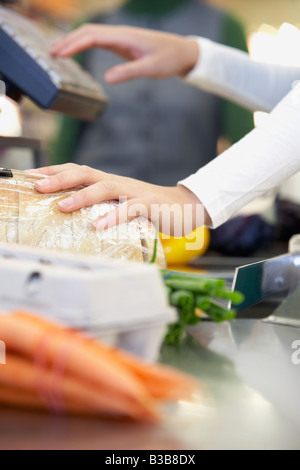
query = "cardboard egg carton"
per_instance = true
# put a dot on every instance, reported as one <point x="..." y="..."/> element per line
<point x="121" y="302"/>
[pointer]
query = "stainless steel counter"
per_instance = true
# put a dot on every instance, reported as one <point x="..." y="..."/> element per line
<point x="251" y="395"/>
<point x="249" y="399"/>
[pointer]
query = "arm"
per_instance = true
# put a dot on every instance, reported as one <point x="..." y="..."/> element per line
<point x="233" y="75"/>
<point x="257" y="164"/>
<point x="215" y="68"/>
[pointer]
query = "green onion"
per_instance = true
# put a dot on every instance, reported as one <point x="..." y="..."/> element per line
<point x="182" y="299"/>
<point x="217" y="312"/>
<point x="235" y="297"/>
<point x="188" y="292"/>
<point x="198" y="286"/>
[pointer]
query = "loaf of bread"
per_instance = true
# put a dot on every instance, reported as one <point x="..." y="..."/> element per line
<point x="30" y="218"/>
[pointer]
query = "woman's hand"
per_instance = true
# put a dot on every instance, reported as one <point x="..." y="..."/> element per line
<point x="177" y="209"/>
<point x="150" y="54"/>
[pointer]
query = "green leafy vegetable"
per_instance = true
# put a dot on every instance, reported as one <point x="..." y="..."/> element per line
<point x="194" y="296"/>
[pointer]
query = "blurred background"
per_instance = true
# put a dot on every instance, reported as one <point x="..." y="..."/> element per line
<point x="268" y="38"/>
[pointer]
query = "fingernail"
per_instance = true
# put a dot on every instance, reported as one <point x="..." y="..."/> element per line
<point x="67" y="204"/>
<point x="101" y="224"/>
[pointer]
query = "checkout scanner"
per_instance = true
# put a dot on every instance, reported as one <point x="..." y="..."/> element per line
<point x="27" y="68"/>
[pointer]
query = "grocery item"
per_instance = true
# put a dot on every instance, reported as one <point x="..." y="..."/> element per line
<point x="180" y="251"/>
<point x="197" y="297"/>
<point x="52" y="368"/>
<point x="33" y="219"/>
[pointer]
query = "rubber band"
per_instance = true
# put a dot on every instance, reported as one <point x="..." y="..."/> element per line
<point x="58" y="371"/>
<point x="50" y="385"/>
<point x="40" y="360"/>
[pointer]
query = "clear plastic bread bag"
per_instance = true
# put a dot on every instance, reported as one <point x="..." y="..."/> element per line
<point x="33" y="219"/>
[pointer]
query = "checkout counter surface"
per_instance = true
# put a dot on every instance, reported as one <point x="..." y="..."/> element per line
<point x="249" y="397"/>
<point x="249" y="400"/>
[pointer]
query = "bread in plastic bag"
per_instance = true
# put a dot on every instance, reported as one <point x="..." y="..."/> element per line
<point x="33" y="219"/>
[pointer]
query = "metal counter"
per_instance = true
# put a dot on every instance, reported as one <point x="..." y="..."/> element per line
<point x="249" y="399"/>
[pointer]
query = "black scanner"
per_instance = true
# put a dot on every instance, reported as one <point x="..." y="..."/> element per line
<point x="27" y="68"/>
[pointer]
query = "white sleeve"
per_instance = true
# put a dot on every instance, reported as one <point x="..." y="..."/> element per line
<point x="232" y="74"/>
<point x="258" y="163"/>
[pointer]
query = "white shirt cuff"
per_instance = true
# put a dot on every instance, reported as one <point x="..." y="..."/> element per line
<point x="206" y="54"/>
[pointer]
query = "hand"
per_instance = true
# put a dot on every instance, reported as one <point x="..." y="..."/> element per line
<point x="151" y="54"/>
<point x="177" y="209"/>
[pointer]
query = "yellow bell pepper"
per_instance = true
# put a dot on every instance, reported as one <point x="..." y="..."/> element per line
<point x="180" y="251"/>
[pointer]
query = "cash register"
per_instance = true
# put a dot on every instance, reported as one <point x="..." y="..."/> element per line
<point x="27" y="68"/>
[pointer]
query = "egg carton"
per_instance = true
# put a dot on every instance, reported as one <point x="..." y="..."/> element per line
<point x="120" y="302"/>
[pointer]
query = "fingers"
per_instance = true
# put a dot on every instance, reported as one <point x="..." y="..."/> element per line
<point x="125" y="212"/>
<point x="108" y="37"/>
<point x="79" y="44"/>
<point x="69" y="44"/>
<point x="140" y="68"/>
<point x="69" y="177"/>
<point x="54" y="170"/>
<point x="94" y="194"/>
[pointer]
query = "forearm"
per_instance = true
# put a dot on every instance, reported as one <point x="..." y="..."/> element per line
<point x="233" y="75"/>
<point x="258" y="163"/>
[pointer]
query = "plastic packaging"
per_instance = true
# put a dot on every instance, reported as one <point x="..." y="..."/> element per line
<point x="33" y="219"/>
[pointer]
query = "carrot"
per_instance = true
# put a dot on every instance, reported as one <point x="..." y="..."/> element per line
<point x="18" y="398"/>
<point x="57" y="391"/>
<point x="162" y="382"/>
<point x="15" y="398"/>
<point x="32" y="337"/>
<point x="123" y="381"/>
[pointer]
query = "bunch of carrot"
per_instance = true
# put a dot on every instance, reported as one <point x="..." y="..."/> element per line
<point x="51" y="368"/>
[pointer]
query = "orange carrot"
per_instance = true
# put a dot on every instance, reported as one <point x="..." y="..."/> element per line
<point x="117" y="375"/>
<point x="18" y="398"/>
<point x="39" y="340"/>
<point x="57" y="391"/>
<point x="162" y="382"/>
<point x="15" y="398"/>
